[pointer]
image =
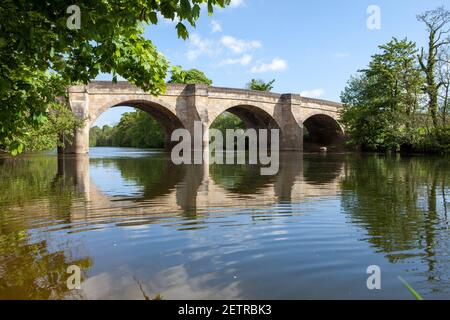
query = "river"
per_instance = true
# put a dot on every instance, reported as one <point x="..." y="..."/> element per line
<point x="140" y="227"/>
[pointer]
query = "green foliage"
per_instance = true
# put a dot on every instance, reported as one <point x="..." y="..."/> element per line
<point x="382" y="104"/>
<point x="260" y="85"/>
<point x="227" y="121"/>
<point x="411" y="289"/>
<point x="60" y="123"/>
<point x="437" y="23"/>
<point x="139" y="130"/>
<point x="135" y="129"/>
<point x="436" y="140"/>
<point x="402" y="99"/>
<point x="192" y="76"/>
<point x="101" y="137"/>
<point x="40" y="55"/>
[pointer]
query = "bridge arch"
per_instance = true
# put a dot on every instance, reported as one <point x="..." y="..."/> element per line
<point x="254" y="117"/>
<point x="162" y="112"/>
<point x="322" y="130"/>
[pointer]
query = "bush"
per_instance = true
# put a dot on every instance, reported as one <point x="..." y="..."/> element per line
<point x="435" y="141"/>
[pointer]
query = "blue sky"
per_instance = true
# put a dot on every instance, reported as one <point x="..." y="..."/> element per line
<point x="309" y="47"/>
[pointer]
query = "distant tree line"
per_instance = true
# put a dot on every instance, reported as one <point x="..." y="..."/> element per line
<point x="401" y="100"/>
<point x="135" y="129"/>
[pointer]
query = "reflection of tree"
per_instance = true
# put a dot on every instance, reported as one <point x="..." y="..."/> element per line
<point x="322" y="168"/>
<point x="240" y="179"/>
<point x="31" y="271"/>
<point x="26" y="181"/>
<point x="157" y="175"/>
<point x="397" y="202"/>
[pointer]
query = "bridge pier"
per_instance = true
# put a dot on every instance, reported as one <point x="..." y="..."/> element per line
<point x="79" y="103"/>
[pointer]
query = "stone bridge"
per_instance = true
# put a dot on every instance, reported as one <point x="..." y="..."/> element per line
<point x="182" y="105"/>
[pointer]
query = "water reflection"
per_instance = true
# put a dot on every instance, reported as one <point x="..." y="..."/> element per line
<point x="403" y="204"/>
<point x="30" y="268"/>
<point x="140" y="226"/>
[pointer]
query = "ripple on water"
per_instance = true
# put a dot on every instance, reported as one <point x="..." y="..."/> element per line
<point x="140" y="225"/>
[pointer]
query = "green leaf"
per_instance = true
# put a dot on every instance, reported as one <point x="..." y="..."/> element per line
<point x="15" y="148"/>
<point x="153" y="17"/>
<point x="182" y="31"/>
<point x="411" y="289"/>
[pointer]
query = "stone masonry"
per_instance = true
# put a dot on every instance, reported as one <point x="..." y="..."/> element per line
<point x="182" y="105"/>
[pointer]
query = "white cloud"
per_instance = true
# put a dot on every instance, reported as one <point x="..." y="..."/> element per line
<point x="315" y="93"/>
<point x="216" y="26"/>
<point x="236" y="3"/>
<point x="244" y="60"/>
<point x="276" y="64"/>
<point x="199" y="46"/>
<point x="238" y="46"/>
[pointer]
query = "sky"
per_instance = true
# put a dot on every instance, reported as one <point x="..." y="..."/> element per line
<point x="309" y="47"/>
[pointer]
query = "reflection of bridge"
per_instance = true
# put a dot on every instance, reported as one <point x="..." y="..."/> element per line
<point x="196" y="188"/>
<point x="182" y="105"/>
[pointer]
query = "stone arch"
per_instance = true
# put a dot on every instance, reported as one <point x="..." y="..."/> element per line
<point x="254" y="117"/>
<point x="323" y="131"/>
<point x="163" y="113"/>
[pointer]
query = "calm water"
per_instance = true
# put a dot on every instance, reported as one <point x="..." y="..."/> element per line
<point x="139" y="226"/>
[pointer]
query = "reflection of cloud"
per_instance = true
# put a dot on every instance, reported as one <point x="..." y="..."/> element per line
<point x="175" y="283"/>
<point x="172" y="284"/>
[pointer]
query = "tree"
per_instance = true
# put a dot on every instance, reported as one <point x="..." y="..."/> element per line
<point x="260" y="85"/>
<point x="437" y="22"/>
<point x="192" y="76"/>
<point x="101" y="137"/>
<point x="139" y="130"/>
<point x="42" y="51"/>
<point x="135" y="129"/>
<point x="444" y="78"/>
<point x="381" y="103"/>
<point x="227" y="121"/>
<point x="60" y="122"/>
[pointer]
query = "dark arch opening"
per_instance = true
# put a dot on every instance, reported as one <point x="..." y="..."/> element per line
<point x="245" y="117"/>
<point x="253" y="117"/>
<point x="322" y="131"/>
<point x="162" y="122"/>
